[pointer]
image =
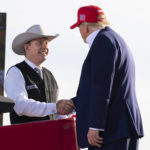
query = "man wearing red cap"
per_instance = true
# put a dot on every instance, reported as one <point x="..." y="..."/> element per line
<point x="107" y="112"/>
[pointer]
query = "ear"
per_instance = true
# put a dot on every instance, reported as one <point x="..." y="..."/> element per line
<point x="86" y="29"/>
<point x="25" y="46"/>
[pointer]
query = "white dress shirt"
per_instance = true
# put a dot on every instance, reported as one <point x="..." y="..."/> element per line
<point x="14" y="87"/>
<point x="90" y="39"/>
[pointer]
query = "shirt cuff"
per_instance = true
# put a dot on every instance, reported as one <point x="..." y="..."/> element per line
<point x="61" y="116"/>
<point x="51" y="108"/>
<point x="96" y="129"/>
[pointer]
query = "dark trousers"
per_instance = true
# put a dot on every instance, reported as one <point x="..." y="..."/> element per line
<point x="122" y="144"/>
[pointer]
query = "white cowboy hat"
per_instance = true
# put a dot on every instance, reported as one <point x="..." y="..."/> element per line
<point x="34" y="32"/>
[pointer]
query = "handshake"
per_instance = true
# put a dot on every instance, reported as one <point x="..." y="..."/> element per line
<point x="64" y="107"/>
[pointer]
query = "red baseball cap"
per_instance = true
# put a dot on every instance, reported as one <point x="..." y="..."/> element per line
<point x="88" y="14"/>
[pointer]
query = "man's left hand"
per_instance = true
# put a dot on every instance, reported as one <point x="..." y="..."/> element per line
<point x="94" y="138"/>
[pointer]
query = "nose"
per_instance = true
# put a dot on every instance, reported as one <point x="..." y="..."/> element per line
<point x="44" y="46"/>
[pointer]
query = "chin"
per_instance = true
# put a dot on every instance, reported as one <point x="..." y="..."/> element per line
<point x="44" y="59"/>
<point x="84" y="41"/>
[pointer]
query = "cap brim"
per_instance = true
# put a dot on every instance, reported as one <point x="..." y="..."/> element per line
<point x="75" y="25"/>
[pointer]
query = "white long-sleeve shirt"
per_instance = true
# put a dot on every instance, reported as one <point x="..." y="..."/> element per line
<point x="14" y="87"/>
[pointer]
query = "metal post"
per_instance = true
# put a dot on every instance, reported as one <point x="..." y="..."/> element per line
<point x="2" y="55"/>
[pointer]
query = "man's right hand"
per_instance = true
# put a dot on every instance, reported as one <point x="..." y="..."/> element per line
<point x="64" y="107"/>
<point x="94" y="138"/>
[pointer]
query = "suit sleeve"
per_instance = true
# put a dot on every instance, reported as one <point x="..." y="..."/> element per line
<point x="103" y="61"/>
<point x="74" y="99"/>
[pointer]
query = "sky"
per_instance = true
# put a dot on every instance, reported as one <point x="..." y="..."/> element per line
<point x="67" y="52"/>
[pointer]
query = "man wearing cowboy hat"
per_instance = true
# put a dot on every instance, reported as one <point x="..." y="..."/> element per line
<point x="32" y="87"/>
<point x="107" y="112"/>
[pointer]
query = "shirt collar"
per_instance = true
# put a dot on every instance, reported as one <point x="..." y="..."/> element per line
<point x="91" y="37"/>
<point x="31" y="64"/>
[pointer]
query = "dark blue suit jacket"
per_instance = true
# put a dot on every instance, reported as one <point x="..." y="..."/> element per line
<point x="106" y="97"/>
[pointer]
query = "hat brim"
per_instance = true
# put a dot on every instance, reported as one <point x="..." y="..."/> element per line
<point x="21" y="39"/>
<point x="75" y="25"/>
